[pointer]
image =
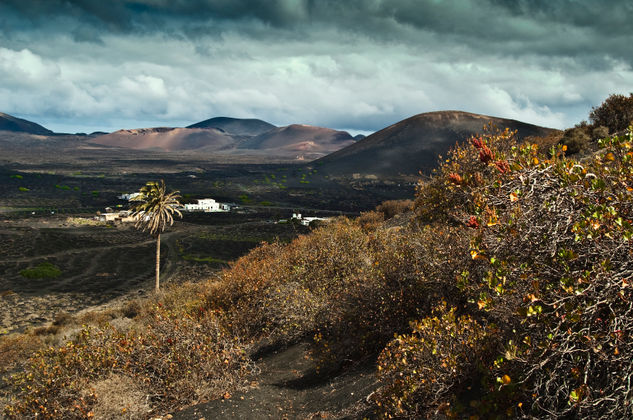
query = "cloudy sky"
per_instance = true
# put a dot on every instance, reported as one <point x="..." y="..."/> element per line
<point x="85" y="65"/>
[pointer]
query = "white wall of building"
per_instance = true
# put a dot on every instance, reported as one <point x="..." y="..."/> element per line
<point x="207" y="205"/>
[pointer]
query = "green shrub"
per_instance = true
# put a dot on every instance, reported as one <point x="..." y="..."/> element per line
<point x="615" y="113"/>
<point x="45" y="270"/>
<point x="209" y="259"/>
<point x="424" y="373"/>
<point x="599" y="133"/>
<point x="576" y="140"/>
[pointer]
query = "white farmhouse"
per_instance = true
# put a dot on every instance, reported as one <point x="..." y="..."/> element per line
<point x="307" y="220"/>
<point x="207" y="205"/>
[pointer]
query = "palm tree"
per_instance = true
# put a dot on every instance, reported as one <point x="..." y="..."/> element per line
<point x="155" y="209"/>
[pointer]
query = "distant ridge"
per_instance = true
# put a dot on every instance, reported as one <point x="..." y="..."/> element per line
<point x="413" y="144"/>
<point x="236" y="126"/>
<point x="168" y="139"/>
<point x="11" y="123"/>
<point x="296" y="141"/>
<point x="300" y="138"/>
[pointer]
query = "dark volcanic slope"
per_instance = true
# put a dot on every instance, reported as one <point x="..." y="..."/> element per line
<point x="413" y="145"/>
<point x="10" y="123"/>
<point x="300" y="138"/>
<point x="236" y="126"/>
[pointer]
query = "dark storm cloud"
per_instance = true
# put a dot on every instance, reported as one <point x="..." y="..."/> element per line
<point x="144" y="15"/>
<point x="110" y="14"/>
<point x="487" y="18"/>
<point x="577" y="28"/>
<point x="359" y="64"/>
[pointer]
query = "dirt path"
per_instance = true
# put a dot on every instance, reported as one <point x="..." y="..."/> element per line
<point x="288" y="388"/>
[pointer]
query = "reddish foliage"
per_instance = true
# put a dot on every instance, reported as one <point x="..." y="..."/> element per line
<point x="502" y="166"/>
<point x="473" y="222"/>
<point x="477" y="142"/>
<point x="455" y="178"/>
<point x="485" y="154"/>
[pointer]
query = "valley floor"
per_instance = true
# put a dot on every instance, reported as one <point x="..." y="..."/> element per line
<point x="107" y="264"/>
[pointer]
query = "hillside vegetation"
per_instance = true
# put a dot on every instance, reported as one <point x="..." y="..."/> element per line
<point x="504" y="291"/>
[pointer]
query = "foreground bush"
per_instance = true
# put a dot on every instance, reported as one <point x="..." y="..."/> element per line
<point x="550" y="269"/>
<point x="176" y="359"/>
<point x="568" y="288"/>
<point x="279" y="291"/>
<point x="348" y="286"/>
<point x="430" y="367"/>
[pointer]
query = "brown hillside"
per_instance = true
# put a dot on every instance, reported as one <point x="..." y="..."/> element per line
<point x="168" y="139"/>
<point x="293" y="141"/>
<point x="301" y="139"/>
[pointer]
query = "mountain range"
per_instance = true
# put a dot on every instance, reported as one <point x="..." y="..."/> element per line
<point x="234" y="136"/>
<point x="404" y="148"/>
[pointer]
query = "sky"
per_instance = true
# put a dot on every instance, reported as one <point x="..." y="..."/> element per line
<point x="359" y="65"/>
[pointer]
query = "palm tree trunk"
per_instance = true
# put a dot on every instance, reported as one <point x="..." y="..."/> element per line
<point x="157" y="286"/>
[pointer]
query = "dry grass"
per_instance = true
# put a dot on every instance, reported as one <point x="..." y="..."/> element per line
<point x="16" y="348"/>
<point x="119" y="397"/>
<point x="125" y="361"/>
<point x="392" y="208"/>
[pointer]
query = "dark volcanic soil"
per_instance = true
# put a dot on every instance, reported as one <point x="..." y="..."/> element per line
<point x="289" y="388"/>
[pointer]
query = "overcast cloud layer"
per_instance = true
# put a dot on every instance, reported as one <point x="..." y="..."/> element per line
<point x="85" y="65"/>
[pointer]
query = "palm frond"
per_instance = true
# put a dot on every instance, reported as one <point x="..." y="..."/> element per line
<point x="156" y="208"/>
